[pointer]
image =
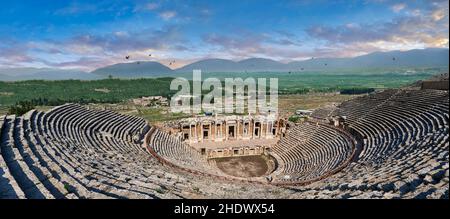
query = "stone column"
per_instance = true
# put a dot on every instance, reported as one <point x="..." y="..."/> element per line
<point x="236" y="132"/>
<point x="277" y="127"/>
<point x="253" y="129"/>
<point x="213" y="131"/>
<point x="196" y="133"/>
<point x="201" y="131"/>
<point x="190" y="132"/>
<point x="226" y="131"/>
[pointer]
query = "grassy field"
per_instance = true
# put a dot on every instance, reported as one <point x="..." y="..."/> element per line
<point x="329" y="81"/>
<point x="116" y="91"/>
<point x="103" y="91"/>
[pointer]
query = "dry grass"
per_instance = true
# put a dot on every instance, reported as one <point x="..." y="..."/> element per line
<point x="288" y="104"/>
<point x="44" y="108"/>
<point x="102" y="90"/>
<point x="6" y="94"/>
<point x="3" y="110"/>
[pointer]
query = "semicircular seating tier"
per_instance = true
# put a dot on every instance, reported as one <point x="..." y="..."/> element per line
<point x="405" y="151"/>
<point x="173" y="151"/>
<point x="310" y="152"/>
<point x="72" y="152"/>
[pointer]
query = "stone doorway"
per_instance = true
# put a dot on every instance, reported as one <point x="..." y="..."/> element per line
<point x="231" y="131"/>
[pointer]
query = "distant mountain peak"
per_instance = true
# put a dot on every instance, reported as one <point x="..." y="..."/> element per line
<point x="134" y="70"/>
<point x="432" y="57"/>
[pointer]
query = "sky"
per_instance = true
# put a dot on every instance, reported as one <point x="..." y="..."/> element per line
<point x="82" y="34"/>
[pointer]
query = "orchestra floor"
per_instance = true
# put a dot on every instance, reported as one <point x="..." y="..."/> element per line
<point x="246" y="166"/>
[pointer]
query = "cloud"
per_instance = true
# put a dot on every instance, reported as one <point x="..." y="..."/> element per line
<point x="88" y="51"/>
<point x="76" y="8"/>
<point x="117" y="8"/>
<point x="80" y="63"/>
<point x="151" y="6"/>
<point x="286" y="38"/>
<point x="429" y="28"/>
<point x="160" y="39"/>
<point x="242" y="44"/>
<point x="183" y="11"/>
<point x="414" y="25"/>
<point x="14" y="52"/>
<point x="285" y="33"/>
<point x="246" y="44"/>
<point x="398" y="7"/>
<point x="167" y="15"/>
<point x="121" y="34"/>
<point x="287" y="42"/>
<point x="440" y="14"/>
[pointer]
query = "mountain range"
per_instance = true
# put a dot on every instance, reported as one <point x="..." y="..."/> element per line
<point x="419" y="58"/>
<point x="20" y="74"/>
<point x="394" y="59"/>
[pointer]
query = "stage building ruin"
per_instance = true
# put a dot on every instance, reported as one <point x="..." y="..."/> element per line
<point x="225" y="136"/>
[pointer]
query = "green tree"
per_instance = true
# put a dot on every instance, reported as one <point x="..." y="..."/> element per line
<point x="21" y="108"/>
